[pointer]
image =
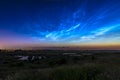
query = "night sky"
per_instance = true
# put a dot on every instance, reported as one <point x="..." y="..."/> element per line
<point x="41" y="23"/>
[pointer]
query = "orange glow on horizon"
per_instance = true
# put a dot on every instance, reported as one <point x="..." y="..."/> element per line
<point x="78" y="47"/>
<point x="115" y="45"/>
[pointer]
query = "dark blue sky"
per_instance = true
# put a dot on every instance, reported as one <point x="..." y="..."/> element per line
<point x="73" y="22"/>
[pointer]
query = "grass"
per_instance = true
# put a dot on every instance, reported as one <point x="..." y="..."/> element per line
<point x="85" y="72"/>
<point x="76" y="72"/>
<point x="98" y="67"/>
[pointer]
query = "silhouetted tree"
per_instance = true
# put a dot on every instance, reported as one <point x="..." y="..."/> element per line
<point x="30" y="58"/>
<point x="93" y="57"/>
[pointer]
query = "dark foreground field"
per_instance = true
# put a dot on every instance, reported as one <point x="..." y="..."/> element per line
<point x="59" y="65"/>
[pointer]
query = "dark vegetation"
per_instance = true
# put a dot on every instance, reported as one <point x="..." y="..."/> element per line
<point x="59" y="65"/>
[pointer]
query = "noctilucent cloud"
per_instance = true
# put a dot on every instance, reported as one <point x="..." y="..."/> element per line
<point x="59" y="22"/>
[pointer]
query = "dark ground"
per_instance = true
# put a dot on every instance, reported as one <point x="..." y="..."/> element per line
<point x="60" y="65"/>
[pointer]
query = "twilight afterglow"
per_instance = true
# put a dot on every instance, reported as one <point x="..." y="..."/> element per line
<point x="87" y="24"/>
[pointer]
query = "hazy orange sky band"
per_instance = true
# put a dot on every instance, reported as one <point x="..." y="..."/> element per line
<point x="100" y="46"/>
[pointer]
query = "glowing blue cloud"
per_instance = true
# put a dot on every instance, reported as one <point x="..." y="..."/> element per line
<point x="84" y="24"/>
